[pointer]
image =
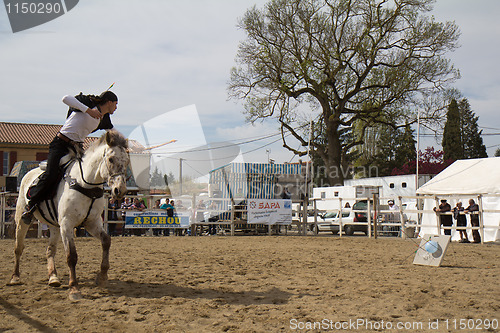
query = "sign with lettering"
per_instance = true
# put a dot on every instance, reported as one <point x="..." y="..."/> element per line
<point x="270" y="211"/>
<point x="155" y="219"/>
<point x="25" y="14"/>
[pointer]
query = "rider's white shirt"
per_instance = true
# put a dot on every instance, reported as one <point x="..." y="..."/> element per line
<point x="79" y="124"/>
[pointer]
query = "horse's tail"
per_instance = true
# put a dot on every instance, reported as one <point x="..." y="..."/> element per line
<point x="22" y="200"/>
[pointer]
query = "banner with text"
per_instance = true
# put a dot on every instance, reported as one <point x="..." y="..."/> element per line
<point x="268" y="211"/>
<point x="155" y="219"/>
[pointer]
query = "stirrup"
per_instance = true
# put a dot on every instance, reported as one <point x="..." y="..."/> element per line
<point x="27" y="216"/>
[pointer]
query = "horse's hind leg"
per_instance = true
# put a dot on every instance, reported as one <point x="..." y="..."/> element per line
<point x="55" y="236"/>
<point x="21" y="231"/>
<point x="96" y="229"/>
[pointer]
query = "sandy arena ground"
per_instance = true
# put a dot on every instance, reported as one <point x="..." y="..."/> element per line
<point x="254" y="284"/>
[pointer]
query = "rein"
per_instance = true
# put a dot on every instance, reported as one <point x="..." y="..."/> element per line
<point x="83" y="178"/>
<point x="92" y="193"/>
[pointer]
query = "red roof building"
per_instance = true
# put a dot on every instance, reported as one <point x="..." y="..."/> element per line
<point x="26" y="142"/>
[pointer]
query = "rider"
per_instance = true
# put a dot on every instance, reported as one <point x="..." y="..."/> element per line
<point x="87" y="114"/>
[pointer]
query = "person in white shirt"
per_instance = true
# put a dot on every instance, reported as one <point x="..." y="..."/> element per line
<point x="87" y="114"/>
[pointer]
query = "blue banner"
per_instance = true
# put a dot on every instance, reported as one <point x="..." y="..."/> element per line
<point x="155" y="219"/>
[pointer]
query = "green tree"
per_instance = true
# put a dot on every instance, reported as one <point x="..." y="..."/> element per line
<point x="348" y="60"/>
<point x="452" y="135"/>
<point x="157" y="179"/>
<point x="407" y="147"/>
<point x="497" y="152"/>
<point x="392" y="147"/>
<point x="473" y="146"/>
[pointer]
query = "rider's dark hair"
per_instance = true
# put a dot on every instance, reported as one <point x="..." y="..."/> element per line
<point x="105" y="97"/>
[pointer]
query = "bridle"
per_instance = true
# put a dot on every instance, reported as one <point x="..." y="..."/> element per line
<point x="121" y="173"/>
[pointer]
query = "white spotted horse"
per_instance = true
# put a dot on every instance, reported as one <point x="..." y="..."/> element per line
<point x="78" y="201"/>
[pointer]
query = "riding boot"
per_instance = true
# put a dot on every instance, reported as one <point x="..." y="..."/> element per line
<point x="27" y="216"/>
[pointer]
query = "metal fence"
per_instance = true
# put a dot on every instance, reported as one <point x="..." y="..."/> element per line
<point x="229" y="216"/>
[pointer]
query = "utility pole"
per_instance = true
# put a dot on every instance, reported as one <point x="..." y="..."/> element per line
<point x="180" y="176"/>
<point x="418" y="149"/>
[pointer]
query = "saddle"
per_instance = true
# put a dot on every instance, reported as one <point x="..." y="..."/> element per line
<point x="64" y="164"/>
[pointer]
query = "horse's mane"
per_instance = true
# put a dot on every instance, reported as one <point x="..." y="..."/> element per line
<point x="111" y="137"/>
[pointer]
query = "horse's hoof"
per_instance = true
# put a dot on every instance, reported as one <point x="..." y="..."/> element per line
<point x="54" y="281"/>
<point x="75" y="296"/>
<point x="15" y="281"/>
<point x="101" y="281"/>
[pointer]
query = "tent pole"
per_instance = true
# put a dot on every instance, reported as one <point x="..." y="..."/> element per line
<point x="481" y="224"/>
<point x="438" y="217"/>
<point x="402" y="219"/>
<point x="419" y="206"/>
<point x="339" y="215"/>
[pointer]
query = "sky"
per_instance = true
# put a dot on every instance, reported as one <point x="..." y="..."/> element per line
<point x="168" y="56"/>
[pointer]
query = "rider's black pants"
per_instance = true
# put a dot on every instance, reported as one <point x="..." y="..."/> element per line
<point x="49" y="180"/>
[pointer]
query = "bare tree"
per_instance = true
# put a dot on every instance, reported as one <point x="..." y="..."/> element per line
<point x="344" y="62"/>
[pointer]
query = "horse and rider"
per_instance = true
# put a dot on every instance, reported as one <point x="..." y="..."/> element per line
<point x="69" y="194"/>
<point x="87" y="114"/>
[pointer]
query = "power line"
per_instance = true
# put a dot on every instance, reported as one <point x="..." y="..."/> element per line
<point x="226" y="157"/>
<point x="248" y="140"/>
<point x="201" y="174"/>
<point x="439" y="135"/>
<point x="490" y="128"/>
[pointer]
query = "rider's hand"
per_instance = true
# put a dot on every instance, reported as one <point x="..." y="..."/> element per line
<point x="94" y="113"/>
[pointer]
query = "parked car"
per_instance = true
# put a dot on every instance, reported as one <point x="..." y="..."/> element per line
<point x="358" y="217"/>
<point x="382" y="218"/>
<point x="330" y="221"/>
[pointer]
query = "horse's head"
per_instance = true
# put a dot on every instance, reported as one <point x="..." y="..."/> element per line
<point x="116" y="160"/>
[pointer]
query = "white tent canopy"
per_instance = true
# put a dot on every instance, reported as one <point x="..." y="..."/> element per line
<point x="475" y="176"/>
<point x="461" y="181"/>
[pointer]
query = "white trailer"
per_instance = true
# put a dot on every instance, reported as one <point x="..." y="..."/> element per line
<point x="328" y="198"/>
<point x="389" y="187"/>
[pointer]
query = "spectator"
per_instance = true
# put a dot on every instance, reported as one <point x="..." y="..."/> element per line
<point x="212" y="217"/>
<point x="200" y="210"/>
<point x="168" y="207"/>
<point x="458" y="214"/>
<point x="45" y="230"/>
<point x="177" y="231"/>
<point x="474" y="219"/>
<point x="157" y="204"/>
<point x="138" y="204"/>
<point x="445" y="220"/>
<point x="157" y="231"/>
<point x="394" y="214"/>
<point x="126" y="205"/>
<point x="170" y="213"/>
<point x="112" y="216"/>
<point x="179" y="206"/>
<point x="286" y="194"/>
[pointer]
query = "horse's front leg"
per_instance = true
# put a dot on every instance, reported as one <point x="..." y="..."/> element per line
<point x="95" y="228"/>
<point x="51" y="252"/>
<point x="72" y="259"/>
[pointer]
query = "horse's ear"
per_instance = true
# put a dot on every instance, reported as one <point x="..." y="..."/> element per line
<point x="114" y="138"/>
<point x="110" y="138"/>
